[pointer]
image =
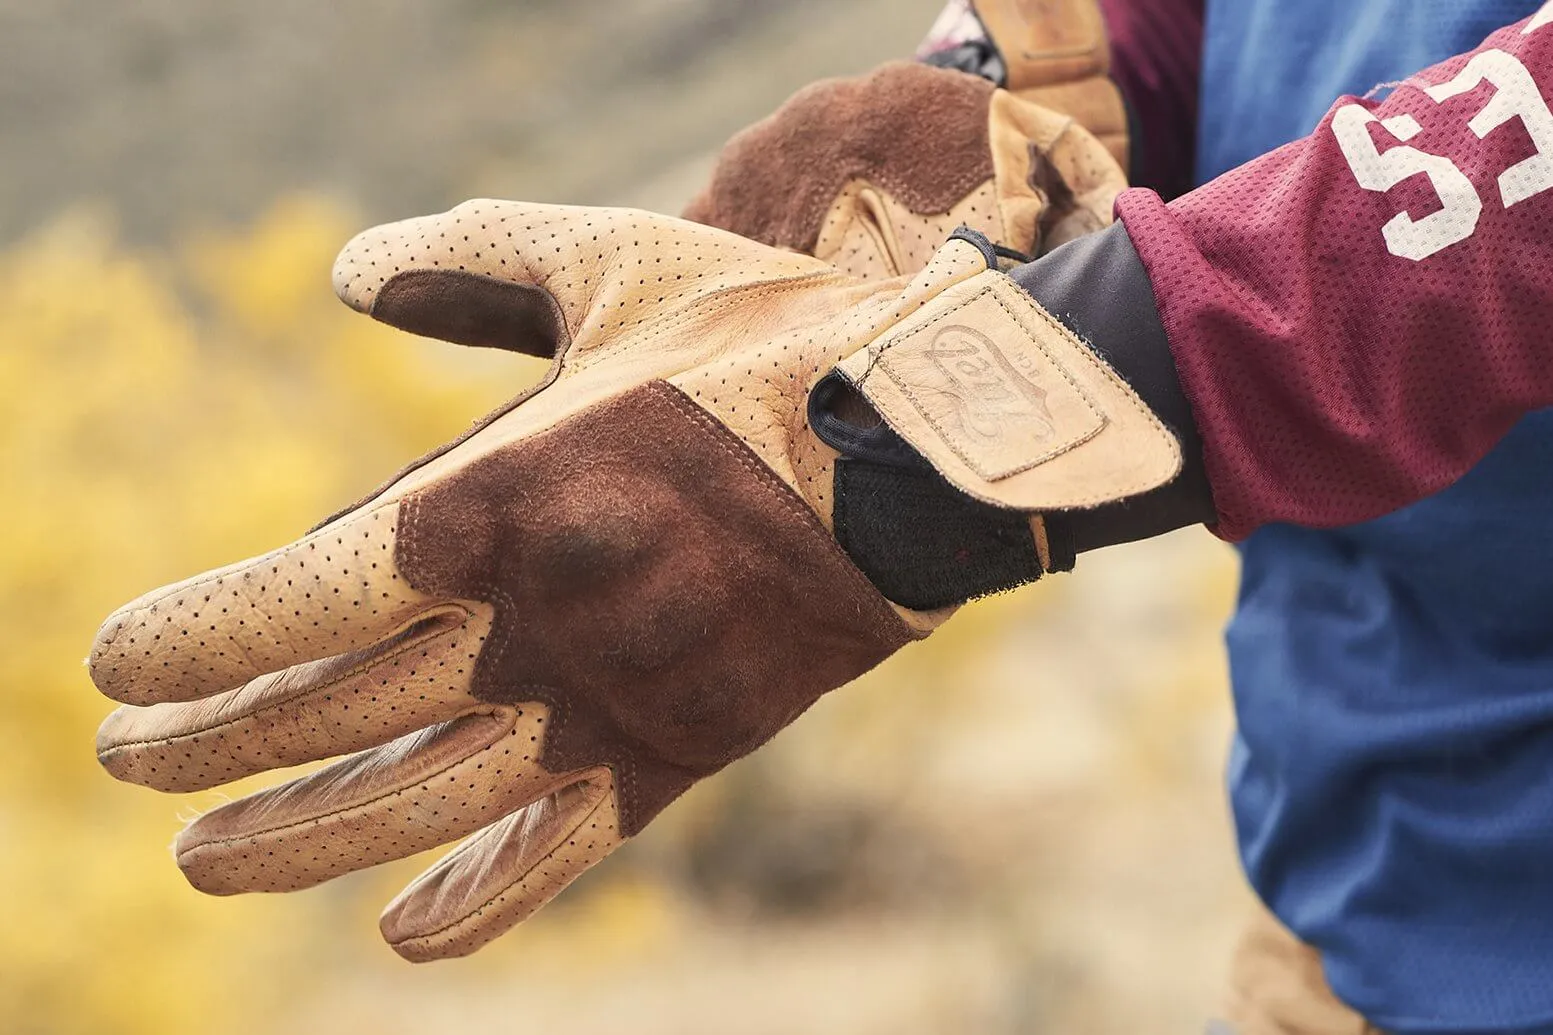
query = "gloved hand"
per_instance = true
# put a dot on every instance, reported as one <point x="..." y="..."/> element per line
<point x="628" y="577"/>
<point x="872" y="173"/>
<point x="1054" y="53"/>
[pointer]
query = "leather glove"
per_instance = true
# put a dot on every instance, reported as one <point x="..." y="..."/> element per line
<point x="872" y="173"/>
<point x="1054" y="53"/>
<point x="541" y="634"/>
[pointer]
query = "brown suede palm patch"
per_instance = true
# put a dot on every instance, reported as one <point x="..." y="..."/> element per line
<point x="919" y="133"/>
<point x="655" y="584"/>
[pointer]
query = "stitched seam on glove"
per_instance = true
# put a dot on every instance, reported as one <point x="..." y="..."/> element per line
<point x="413" y="779"/>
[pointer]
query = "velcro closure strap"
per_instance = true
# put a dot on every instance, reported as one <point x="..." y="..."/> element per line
<point x="1009" y="406"/>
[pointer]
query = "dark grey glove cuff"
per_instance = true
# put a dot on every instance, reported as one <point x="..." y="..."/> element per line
<point x="1097" y="286"/>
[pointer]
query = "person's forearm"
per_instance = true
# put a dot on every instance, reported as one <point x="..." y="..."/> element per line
<point x="1358" y="317"/>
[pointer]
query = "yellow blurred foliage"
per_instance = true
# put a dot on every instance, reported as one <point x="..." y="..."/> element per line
<point x="161" y="415"/>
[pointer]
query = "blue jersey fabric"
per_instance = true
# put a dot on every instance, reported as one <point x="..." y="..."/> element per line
<point x="1392" y="778"/>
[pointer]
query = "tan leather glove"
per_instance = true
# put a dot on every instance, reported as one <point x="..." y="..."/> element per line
<point x="1054" y="53"/>
<point x="612" y="587"/>
<point x="872" y="173"/>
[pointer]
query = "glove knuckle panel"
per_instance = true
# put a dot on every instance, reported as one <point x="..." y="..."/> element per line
<point x="776" y="181"/>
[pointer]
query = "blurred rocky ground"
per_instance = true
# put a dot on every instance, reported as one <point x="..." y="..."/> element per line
<point x="1016" y="827"/>
<point x="172" y="110"/>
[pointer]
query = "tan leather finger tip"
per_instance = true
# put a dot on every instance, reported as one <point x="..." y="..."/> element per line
<point x="108" y="663"/>
<point x="196" y="867"/>
<point x="461" y="239"/>
<point x="331" y="707"/>
<point x="142" y="745"/>
<point x="367" y="261"/>
<point x="123" y="728"/>
<point x="335" y="590"/>
<point x="501" y="876"/>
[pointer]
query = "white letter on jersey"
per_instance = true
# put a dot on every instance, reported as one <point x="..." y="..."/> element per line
<point x="1515" y="96"/>
<point x="1380" y="171"/>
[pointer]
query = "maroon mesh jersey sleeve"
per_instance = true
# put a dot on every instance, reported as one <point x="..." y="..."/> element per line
<point x="1359" y="316"/>
<point x="1156" y="61"/>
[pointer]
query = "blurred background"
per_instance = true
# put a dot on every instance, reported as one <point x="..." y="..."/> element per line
<point x="1016" y="827"/>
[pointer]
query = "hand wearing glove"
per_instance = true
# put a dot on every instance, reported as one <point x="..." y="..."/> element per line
<point x="750" y="477"/>
<point x="872" y="173"/>
<point x="1056" y="54"/>
<point x="632" y="575"/>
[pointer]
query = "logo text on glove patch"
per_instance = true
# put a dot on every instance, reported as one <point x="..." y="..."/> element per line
<point x="988" y="390"/>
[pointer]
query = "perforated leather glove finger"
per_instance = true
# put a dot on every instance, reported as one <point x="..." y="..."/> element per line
<point x="538" y="636"/>
<point x="872" y="173"/>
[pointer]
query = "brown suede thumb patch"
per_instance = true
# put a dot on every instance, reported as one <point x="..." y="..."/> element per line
<point x="472" y="309"/>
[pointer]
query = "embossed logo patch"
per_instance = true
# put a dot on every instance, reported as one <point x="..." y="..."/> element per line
<point x="989" y="391"/>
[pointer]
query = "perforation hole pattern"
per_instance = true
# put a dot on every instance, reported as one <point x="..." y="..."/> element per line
<point x="335" y="591"/>
<point x="311" y="712"/>
<point x="502" y="875"/>
<point x="419" y="792"/>
<point x="610" y="270"/>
